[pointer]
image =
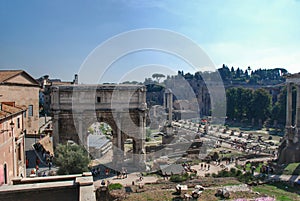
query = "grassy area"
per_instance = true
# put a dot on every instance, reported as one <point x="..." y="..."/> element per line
<point x="167" y="192"/>
<point x="210" y="195"/>
<point x="292" y="169"/>
<point x="170" y="195"/>
<point x="289" y="169"/>
<point x="179" y="178"/>
<point x="264" y="133"/>
<point x="115" y="186"/>
<point x="248" y="167"/>
<point x="162" y="195"/>
<point x="281" y="191"/>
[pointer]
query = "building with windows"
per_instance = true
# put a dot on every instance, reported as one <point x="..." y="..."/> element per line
<point x="19" y="87"/>
<point x="12" y="152"/>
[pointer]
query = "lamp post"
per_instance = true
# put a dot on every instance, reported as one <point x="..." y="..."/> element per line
<point x="12" y="125"/>
<point x="34" y="137"/>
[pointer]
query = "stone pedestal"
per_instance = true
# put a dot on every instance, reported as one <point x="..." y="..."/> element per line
<point x="290" y="146"/>
<point x="139" y="154"/>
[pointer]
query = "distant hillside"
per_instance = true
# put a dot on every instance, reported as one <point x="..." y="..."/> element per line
<point x="248" y="77"/>
<point x="191" y="87"/>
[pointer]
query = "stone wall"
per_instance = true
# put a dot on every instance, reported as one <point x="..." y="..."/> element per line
<point x="61" y="193"/>
<point x="55" y="188"/>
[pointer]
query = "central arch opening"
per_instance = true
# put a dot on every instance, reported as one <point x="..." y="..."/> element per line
<point x="99" y="141"/>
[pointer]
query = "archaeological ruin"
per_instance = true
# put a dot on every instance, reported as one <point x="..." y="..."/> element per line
<point x="290" y="146"/>
<point x="123" y="107"/>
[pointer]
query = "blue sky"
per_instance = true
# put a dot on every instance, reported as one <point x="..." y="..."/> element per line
<point x="55" y="37"/>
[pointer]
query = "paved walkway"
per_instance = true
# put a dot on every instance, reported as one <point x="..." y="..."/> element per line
<point x="132" y="177"/>
<point x="212" y="169"/>
<point x="32" y="155"/>
<point x="288" y="178"/>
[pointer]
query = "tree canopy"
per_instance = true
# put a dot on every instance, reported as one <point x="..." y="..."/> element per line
<point x="158" y="76"/>
<point x="245" y="101"/>
<point x="71" y="159"/>
<point x="247" y="104"/>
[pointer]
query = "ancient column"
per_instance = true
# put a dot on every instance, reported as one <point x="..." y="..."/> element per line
<point x="115" y="152"/>
<point x="289" y="148"/>
<point x="170" y="105"/>
<point x="154" y="111"/>
<point x="289" y="105"/>
<point x="139" y="142"/>
<point x="55" y="110"/>
<point x="118" y="154"/>
<point x="81" y="135"/>
<point x="142" y="136"/>
<point x="165" y="102"/>
<point x="119" y="136"/>
<point x="55" y="131"/>
<point x="297" y="121"/>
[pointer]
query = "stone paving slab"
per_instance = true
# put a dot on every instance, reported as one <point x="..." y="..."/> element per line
<point x="132" y="177"/>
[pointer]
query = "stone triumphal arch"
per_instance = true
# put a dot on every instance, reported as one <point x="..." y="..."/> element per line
<point x="123" y="107"/>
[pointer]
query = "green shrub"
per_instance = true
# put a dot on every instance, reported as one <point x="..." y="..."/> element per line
<point x="246" y="177"/>
<point x="193" y="175"/>
<point x="232" y="171"/>
<point x="71" y="159"/>
<point x="238" y="173"/>
<point x="179" y="178"/>
<point x="223" y="173"/>
<point x="115" y="186"/>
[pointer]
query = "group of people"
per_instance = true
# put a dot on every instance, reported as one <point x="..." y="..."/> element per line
<point x="122" y="174"/>
<point x="205" y="167"/>
<point x="97" y="171"/>
<point x="187" y="167"/>
<point x="46" y="159"/>
<point x="35" y="171"/>
<point x="266" y="169"/>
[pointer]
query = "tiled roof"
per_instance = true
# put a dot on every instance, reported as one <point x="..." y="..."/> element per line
<point x="8" y="110"/>
<point x="7" y="74"/>
<point x="97" y="141"/>
<point x="172" y="169"/>
<point x="47" y="144"/>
